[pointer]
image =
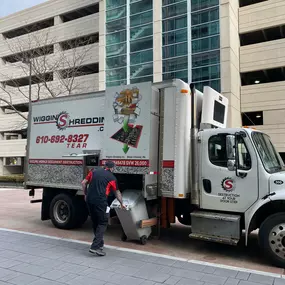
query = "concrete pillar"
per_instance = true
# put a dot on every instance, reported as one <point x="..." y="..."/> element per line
<point x="102" y="45"/>
<point x="157" y="40"/>
<point x="230" y="72"/>
<point x="57" y="20"/>
<point x="2" y="39"/>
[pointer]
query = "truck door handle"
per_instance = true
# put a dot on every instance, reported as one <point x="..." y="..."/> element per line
<point x="207" y="185"/>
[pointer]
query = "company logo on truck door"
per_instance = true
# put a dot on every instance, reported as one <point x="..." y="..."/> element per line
<point x="228" y="184"/>
<point x="64" y="121"/>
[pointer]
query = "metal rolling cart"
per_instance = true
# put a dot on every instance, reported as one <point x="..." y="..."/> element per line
<point x="131" y="217"/>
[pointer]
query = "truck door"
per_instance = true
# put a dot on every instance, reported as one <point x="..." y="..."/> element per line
<point x="222" y="189"/>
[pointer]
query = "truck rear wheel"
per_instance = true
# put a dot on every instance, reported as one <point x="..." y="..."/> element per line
<point x="67" y="212"/>
<point x="272" y="238"/>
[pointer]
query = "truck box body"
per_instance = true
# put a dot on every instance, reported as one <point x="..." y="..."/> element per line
<point x="144" y="128"/>
<point x="64" y="129"/>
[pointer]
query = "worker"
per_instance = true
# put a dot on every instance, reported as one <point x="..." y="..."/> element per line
<point x="100" y="183"/>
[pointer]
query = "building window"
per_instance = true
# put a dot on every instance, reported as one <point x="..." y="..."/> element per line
<point x="11" y="136"/>
<point x="263" y="76"/>
<point x="174" y="40"/>
<point x="205" y="41"/>
<point x="203" y="4"/>
<point x="206" y="73"/>
<point x="209" y="15"/>
<point x="79" y="42"/>
<point x="252" y="118"/>
<point x="141" y="19"/>
<point x="141" y="57"/>
<point x="141" y="41"/>
<point x="205" y="30"/>
<point x="261" y="36"/>
<point x="80" y="71"/>
<point x="243" y="3"/>
<point x="175" y="37"/>
<point x="80" y="13"/>
<point x="205" y="44"/>
<point x="29" y="29"/>
<point x="116" y="42"/>
<point x="12" y="161"/>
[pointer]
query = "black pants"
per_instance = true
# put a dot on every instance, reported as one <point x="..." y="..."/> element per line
<point x="99" y="219"/>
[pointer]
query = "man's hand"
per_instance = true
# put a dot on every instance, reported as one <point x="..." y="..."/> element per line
<point x="123" y="207"/>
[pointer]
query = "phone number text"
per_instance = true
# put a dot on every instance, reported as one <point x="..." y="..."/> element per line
<point x="81" y="138"/>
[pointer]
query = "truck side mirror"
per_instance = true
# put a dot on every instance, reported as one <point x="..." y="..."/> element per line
<point x="231" y="152"/>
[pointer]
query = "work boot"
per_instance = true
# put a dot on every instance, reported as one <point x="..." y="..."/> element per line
<point x="98" y="251"/>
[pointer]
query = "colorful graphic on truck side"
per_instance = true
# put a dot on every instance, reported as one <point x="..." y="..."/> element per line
<point x="126" y="110"/>
<point x="128" y="124"/>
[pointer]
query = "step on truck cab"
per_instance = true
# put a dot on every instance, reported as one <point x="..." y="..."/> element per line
<point x="169" y="142"/>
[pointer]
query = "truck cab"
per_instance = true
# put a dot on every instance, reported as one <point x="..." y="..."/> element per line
<point x="241" y="186"/>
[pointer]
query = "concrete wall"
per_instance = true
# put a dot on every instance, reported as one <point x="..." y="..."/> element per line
<point x="157" y="41"/>
<point x="261" y="15"/>
<point x="258" y="97"/>
<point x="262" y="56"/>
<point x="268" y="97"/>
<point x="102" y="45"/>
<point x="230" y="74"/>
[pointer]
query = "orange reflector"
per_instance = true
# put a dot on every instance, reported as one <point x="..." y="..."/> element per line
<point x="180" y="195"/>
<point x="185" y="91"/>
<point x="246" y="127"/>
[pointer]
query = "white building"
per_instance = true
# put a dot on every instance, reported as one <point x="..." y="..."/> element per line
<point x="235" y="46"/>
<point x="52" y="23"/>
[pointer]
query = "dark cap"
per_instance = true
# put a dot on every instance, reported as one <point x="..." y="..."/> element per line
<point x="109" y="164"/>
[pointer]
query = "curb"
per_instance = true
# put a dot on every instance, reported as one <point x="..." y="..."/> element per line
<point x="217" y="265"/>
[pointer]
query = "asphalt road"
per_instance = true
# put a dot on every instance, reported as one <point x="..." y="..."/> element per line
<point x="17" y="213"/>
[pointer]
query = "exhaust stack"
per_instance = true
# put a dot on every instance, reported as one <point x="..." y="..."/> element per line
<point x="195" y="195"/>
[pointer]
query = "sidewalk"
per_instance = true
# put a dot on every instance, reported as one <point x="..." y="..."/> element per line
<point x="39" y="260"/>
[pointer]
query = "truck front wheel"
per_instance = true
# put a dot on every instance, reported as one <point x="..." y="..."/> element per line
<point x="67" y="212"/>
<point x="272" y="238"/>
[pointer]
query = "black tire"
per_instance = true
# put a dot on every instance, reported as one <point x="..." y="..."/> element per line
<point x="272" y="238"/>
<point x="65" y="212"/>
<point x="184" y="219"/>
<point x="124" y="237"/>
<point x="143" y="240"/>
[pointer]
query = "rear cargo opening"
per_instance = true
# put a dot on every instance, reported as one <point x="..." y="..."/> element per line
<point x="130" y="181"/>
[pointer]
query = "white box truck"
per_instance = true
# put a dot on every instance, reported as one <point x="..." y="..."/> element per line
<point x="170" y="142"/>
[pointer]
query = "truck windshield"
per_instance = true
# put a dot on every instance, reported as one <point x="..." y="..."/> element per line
<point x="267" y="152"/>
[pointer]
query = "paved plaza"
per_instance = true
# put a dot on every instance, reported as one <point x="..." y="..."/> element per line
<point x="39" y="260"/>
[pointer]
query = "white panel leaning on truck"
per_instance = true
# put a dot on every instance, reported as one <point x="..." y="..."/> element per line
<point x="170" y="143"/>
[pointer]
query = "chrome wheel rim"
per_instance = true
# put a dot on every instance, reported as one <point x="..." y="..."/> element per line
<point x="61" y="211"/>
<point x="277" y="240"/>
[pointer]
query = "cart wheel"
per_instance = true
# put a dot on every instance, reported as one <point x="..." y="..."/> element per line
<point x="143" y="240"/>
<point x="124" y="237"/>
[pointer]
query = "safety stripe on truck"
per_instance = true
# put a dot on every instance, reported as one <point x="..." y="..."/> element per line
<point x="128" y="162"/>
<point x="168" y="164"/>
<point x="122" y="162"/>
<point x="56" y="161"/>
